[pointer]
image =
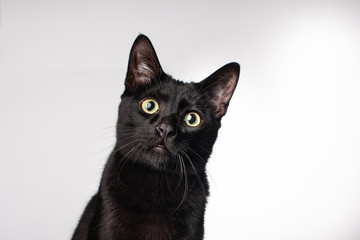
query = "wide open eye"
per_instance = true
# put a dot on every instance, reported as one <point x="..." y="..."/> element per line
<point x="150" y="106"/>
<point x="192" y="119"/>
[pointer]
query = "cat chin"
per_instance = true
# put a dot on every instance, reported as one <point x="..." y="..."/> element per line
<point x="159" y="154"/>
<point x="159" y="158"/>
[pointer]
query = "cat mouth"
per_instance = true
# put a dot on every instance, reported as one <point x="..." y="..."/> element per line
<point x="161" y="147"/>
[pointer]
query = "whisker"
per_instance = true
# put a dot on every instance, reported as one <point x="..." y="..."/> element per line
<point x="196" y="155"/>
<point x="199" y="157"/>
<point x="113" y="126"/>
<point x="193" y="167"/>
<point x="123" y="162"/>
<point x="206" y="150"/>
<point x="186" y="186"/>
<point x="127" y="144"/>
<point x="181" y="173"/>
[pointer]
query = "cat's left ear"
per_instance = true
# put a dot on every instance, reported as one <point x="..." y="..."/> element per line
<point x="144" y="66"/>
<point x="220" y="86"/>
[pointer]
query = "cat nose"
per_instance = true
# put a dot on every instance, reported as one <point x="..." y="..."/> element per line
<point x="165" y="130"/>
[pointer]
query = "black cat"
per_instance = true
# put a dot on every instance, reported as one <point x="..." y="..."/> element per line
<point x="154" y="185"/>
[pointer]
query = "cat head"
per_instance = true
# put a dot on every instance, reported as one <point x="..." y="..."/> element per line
<point x="164" y="123"/>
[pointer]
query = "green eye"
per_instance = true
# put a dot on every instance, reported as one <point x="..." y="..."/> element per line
<point x="150" y="106"/>
<point x="192" y="119"/>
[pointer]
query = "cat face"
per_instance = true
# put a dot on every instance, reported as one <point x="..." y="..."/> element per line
<point x="168" y="124"/>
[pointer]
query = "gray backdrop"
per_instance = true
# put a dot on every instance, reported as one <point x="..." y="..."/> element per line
<point x="287" y="161"/>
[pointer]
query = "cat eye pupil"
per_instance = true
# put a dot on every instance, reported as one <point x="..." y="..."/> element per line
<point x="150" y="105"/>
<point x="191" y="118"/>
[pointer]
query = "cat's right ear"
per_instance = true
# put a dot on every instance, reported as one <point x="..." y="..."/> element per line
<point x="144" y="66"/>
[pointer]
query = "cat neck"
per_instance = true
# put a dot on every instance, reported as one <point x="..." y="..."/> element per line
<point x="150" y="189"/>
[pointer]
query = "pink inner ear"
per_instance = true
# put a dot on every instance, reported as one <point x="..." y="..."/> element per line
<point x="138" y="77"/>
<point x="223" y="96"/>
<point x="220" y="87"/>
<point x="143" y="65"/>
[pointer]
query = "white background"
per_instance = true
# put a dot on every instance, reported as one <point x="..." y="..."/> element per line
<point x="287" y="161"/>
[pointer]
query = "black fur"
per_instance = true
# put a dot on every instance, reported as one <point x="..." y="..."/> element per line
<point x="154" y="185"/>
